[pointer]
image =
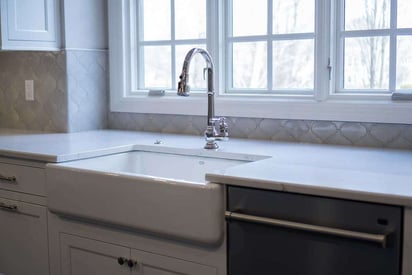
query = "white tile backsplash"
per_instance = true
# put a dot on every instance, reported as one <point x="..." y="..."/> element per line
<point x="321" y="132"/>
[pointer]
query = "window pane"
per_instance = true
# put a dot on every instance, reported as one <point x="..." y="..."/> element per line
<point x="156" y="21"/>
<point x="404" y="63"/>
<point x="250" y="65"/>
<point x="366" y="63"/>
<point x="293" y="64"/>
<point x="367" y="14"/>
<point x="249" y="17"/>
<point x="157" y="67"/>
<point x="404" y="14"/>
<point x="293" y="16"/>
<point x="190" y="16"/>
<point x="196" y="80"/>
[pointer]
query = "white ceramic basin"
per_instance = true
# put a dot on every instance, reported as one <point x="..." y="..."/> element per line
<point x="157" y="165"/>
<point x="154" y="192"/>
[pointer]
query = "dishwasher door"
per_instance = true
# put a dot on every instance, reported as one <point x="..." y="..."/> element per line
<point x="282" y="233"/>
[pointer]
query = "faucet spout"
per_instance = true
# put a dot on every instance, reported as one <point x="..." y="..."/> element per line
<point x="211" y="133"/>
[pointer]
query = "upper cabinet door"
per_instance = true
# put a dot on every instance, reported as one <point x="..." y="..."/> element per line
<point x="30" y="24"/>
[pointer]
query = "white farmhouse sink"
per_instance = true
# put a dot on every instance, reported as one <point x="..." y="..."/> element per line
<point x="154" y="192"/>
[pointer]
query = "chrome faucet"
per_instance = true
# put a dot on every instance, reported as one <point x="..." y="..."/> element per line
<point x="211" y="133"/>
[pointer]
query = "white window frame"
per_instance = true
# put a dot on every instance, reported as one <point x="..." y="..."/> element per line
<point x="323" y="105"/>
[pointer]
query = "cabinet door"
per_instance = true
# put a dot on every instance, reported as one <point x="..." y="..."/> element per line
<point x="81" y="256"/>
<point x="30" y="24"/>
<point x="23" y="238"/>
<point x="154" y="264"/>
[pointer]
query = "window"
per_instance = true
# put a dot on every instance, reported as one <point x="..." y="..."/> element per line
<point x="167" y="30"/>
<point x="292" y="59"/>
<point x="372" y="39"/>
<point x="274" y="51"/>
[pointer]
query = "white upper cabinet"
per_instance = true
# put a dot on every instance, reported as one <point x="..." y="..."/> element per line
<point x="30" y="25"/>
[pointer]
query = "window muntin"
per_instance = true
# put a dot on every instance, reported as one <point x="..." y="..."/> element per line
<point x="263" y="53"/>
<point x="369" y="59"/>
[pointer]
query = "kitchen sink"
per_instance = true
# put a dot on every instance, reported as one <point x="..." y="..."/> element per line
<point x="160" y="193"/>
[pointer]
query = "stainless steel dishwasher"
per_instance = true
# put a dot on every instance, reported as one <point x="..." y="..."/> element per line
<point x="282" y="233"/>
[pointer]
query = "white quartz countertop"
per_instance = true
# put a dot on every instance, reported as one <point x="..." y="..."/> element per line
<point x="367" y="174"/>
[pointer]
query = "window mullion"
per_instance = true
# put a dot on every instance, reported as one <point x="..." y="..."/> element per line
<point x="393" y="46"/>
<point x="322" y="51"/>
<point x="339" y="11"/>
<point x="139" y="36"/>
<point x="213" y="39"/>
<point x="173" y="45"/>
<point x="229" y="45"/>
<point x="270" y="46"/>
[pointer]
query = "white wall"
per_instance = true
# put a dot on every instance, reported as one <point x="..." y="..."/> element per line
<point x="85" y="24"/>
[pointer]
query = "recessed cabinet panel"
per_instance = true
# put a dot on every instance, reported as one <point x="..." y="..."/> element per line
<point x="154" y="264"/>
<point x="30" y="24"/>
<point x="81" y="256"/>
<point x="35" y="20"/>
<point x="23" y="238"/>
<point x="84" y="256"/>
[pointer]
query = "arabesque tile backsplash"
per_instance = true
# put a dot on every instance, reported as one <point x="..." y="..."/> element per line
<point x="48" y="112"/>
<point x="325" y="132"/>
<point x="71" y="91"/>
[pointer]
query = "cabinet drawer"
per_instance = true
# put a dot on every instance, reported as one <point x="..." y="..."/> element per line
<point x="23" y="179"/>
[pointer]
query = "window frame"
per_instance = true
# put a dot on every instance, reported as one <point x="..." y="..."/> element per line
<point x="323" y="105"/>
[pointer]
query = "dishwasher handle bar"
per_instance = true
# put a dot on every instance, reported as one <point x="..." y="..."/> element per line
<point x="380" y="239"/>
<point x="11" y="179"/>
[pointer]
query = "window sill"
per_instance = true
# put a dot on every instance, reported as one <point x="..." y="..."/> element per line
<point x="378" y="111"/>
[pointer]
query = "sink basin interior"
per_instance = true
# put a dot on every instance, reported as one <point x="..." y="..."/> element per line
<point x="158" y="165"/>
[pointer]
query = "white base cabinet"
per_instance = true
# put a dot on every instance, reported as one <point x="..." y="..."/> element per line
<point x="23" y="238"/>
<point x="82" y="256"/>
<point x="78" y="247"/>
<point x="24" y="247"/>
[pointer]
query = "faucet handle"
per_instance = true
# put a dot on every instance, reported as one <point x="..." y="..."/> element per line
<point x="223" y="128"/>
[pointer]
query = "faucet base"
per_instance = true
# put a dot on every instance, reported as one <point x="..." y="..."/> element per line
<point x="211" y="145"/>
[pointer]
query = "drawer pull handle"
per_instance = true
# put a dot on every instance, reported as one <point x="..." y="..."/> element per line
<point x="130" y="263"/>
<point x="9" y="179"/>
<point x="9" y="207"/>
<point x="121" y="260"/>
<point x="343" y="233"/>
